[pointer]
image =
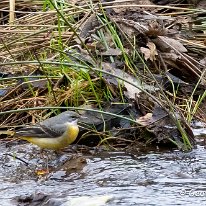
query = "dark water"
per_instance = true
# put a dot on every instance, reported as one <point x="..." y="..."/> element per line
<point x="157" y="178"/>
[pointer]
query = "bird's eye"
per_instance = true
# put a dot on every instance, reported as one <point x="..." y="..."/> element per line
<point x="74" y="117"/>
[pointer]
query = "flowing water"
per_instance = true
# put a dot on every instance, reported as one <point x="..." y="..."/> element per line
<point x="155" y="178"/>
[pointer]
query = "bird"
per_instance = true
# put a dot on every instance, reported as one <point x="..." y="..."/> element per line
<point x="54" y="133"/>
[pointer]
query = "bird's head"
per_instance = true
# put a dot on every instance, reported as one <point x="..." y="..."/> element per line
<point x="71" y="117"/>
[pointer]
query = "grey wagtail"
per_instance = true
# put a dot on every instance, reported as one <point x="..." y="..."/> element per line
<point x="54" y="133"/>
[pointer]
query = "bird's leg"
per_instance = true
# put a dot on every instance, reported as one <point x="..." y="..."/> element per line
<point x="42" y="151"/>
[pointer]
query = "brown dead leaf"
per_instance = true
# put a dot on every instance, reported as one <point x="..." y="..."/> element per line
<point x="133" y="84"/>
<point x="153" y="50"/>
<point x="150" y="118"/>
<point x="146" y="52"/>
<point x="75" y="164"/>
<point x="166" y="44"/>
<point x="132" y="91"/>
<point x="145" y="120"/>
<point x="149" y="53"/>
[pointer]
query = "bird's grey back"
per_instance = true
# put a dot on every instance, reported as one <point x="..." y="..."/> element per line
<point x="58" y="124"/>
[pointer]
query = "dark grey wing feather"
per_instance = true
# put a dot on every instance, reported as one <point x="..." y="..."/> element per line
<point x="36" y="131"/>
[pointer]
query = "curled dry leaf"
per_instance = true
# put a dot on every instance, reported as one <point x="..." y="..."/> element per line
<point x="145" y="120"/>
<point x="131" y="91"/>
<point x="150" y="118"/>
<point x="149" y="53"/>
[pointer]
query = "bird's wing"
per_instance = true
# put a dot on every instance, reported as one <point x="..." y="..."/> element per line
<point x="54" y="126"/>
<point x="39" y="131"/>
